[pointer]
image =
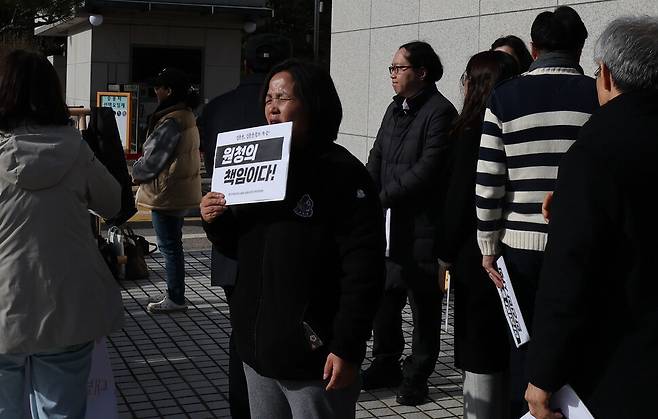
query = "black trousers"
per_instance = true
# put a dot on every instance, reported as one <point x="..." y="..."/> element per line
<point x="524" y="268"/>
<point x="424" y="296"/>
<point x="238" y="397"/>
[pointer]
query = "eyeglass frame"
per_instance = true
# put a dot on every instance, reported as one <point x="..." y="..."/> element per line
<point x="395" y="69"/>
<point x="464" y="78"/>
<point x="597" y="72"/>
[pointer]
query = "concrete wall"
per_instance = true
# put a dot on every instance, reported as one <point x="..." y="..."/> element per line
<point x="59" y="63"/>
<point x="222" y="48"/>
<point x="100" y="55"/>
<point x="78" y="68"/>
<point x="366" y="34"/>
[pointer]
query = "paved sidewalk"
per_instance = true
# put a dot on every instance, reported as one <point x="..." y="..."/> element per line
<point x="175" y="366"/>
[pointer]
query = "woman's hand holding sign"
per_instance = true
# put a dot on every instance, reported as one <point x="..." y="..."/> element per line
<point x="212" y="206"/>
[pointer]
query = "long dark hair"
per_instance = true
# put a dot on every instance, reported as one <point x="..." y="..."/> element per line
<point x="316" y="91"/>
<point x="30" y="92"/>
<point x="483" y="71"/>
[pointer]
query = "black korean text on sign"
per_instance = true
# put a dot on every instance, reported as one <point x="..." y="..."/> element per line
<point x="241" y="175"/>
<point x="270" y="149"/>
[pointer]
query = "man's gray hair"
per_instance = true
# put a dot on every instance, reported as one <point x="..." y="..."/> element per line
<point x="629" y="48"/>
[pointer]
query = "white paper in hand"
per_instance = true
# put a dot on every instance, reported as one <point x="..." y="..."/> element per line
<point x="568" y="402"/>
<point x="511" y="307"/>
<point x="251" y="165"/>
<point x="388" y="232"/>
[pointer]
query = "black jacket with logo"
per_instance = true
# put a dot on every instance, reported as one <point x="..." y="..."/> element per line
<point x="409" y="163"/>
<point x="311" y="264"/>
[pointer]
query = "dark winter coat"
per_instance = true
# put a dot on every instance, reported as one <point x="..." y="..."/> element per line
<point x="409" y="162"/>
<point x="312" y="262"/>
<point x="481" y="342"/>
<point x="596" y="318"/>
<point x="237" y="109"/>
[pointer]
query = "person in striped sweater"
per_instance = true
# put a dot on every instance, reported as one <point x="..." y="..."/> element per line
<point x="530" y="122"/>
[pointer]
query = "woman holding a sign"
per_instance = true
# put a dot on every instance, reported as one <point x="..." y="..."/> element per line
<point x="169" y="178"/>
<point x="310" y="265"/>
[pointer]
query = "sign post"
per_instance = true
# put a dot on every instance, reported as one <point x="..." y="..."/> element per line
<point x="121" y="104"/>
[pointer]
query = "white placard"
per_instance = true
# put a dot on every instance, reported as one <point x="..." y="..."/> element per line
<point x="251" y="165"/>
<point x="388" y="232"/>
<point x="568" y="402"/>
<point x="511" y="307"/>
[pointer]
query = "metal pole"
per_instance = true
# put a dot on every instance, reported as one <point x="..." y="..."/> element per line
<point x="316" y="31"/>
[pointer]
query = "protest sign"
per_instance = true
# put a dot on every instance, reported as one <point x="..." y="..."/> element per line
<point x="511" y="307"/>
<point x="251" y="165"/>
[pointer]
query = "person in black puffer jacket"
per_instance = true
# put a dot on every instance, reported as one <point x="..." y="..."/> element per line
<point x="310" y="267"/>
<point x="409" y="163"/>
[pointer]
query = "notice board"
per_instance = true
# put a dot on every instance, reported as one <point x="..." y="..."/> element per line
<point x="121" y="104"/>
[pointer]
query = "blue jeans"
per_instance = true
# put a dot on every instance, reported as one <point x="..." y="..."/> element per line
<point x="169" y="231"/>
<point x="57" y="383"/>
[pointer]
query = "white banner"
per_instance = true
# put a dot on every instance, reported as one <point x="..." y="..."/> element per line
<point x="251" y="165"/>
<point x="511" y="307"/>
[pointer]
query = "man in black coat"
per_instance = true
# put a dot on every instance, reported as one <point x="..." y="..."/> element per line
<point x="408" y="163"/>
<point x="237" y="109"/>
<point x="596" y="318"/>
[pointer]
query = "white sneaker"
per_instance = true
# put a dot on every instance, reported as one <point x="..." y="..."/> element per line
<point x="165" y="306"/>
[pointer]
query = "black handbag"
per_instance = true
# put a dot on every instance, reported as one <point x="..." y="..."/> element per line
<point x="129" y="251"/>
<point x="136" y="248"/>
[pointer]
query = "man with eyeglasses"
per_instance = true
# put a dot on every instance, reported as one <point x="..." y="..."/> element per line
<point x="408" y="163"/>
<point x="596" y="319"/>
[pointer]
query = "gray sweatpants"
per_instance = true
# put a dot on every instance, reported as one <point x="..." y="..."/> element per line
<point x="486" y="396"/>
<point x="287" y="399"/>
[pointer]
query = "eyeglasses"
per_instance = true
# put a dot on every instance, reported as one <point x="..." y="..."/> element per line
<point x="395" y="69"/>
<point x="465" y="77"/>
<point x="597" y="72"/>
<point x="270" y="99"/>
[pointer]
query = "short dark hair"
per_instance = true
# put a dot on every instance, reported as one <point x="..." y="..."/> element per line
<point x="421" y="54"/>
<point x="30" y="92"/>
<point x="180" y="85"/>
<point x="315" y="89"/>
<point x="519" y="48"/>
<point x="560" y="30"/>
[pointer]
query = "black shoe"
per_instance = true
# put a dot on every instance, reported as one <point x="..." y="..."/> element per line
<point x="381" y="374"/>
<point x="412" y="392"/>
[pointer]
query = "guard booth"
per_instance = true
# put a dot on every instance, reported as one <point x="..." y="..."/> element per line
<point x="116" y="46"/>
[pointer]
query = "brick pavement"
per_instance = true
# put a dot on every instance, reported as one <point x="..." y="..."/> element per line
<point x="175" y="366"/>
